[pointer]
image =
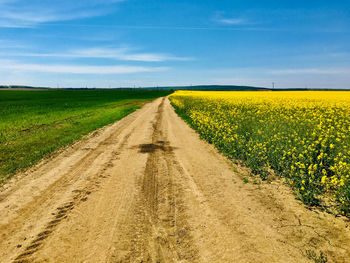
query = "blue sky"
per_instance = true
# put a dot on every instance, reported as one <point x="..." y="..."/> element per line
<point x="113" y="43"/>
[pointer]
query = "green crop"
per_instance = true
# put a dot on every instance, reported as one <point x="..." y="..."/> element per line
<point x="35" y="123"/>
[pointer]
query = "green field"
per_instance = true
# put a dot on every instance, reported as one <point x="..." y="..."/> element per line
<point x="35" y="123"/>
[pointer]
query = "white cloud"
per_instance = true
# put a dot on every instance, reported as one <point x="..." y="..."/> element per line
<point x="127" y="54"/>
<point x="24" y="13"/>
<point x="124" y="54"/>
<point x="231" y="21"/>
<point x="222" y="18"/>
<point x="29" y="18"/>
<point x="10" y="65"/>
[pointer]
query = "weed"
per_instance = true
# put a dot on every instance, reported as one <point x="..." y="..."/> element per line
<point x="317" y="259"/>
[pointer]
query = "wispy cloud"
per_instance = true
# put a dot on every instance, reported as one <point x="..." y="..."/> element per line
<point x="23" y="13"/>
<point x="222" y="18"/>
<point x="160" y="27"/>
<point x="315" y="71"/>
<point x="123" y="54"/>
<point x="231" y="21"/>
<point x="8" y="45"/>
<point x="10" y="65"/>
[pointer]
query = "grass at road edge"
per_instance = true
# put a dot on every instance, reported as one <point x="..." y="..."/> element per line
<point x="33" y="124"/>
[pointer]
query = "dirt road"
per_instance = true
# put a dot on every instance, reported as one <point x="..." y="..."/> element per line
<point x="147" y="189"/>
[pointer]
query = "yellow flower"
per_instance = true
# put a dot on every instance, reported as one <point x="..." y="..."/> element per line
<point x="280" y="130"/>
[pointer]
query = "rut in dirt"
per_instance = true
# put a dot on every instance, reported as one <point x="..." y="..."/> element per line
<point x="160" y="231"/>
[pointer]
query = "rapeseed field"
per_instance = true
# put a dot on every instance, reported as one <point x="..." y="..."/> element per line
<point x="302" y="136"/>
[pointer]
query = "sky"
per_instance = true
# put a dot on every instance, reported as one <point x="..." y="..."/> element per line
<point x="127" y="43"/>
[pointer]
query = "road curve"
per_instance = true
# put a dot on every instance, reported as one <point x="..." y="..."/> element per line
<point x="147" y="189"/>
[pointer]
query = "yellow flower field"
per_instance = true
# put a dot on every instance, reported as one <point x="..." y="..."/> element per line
<point x="304" y="136"/>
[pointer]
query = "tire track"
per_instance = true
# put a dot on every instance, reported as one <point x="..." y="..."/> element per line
<point x="62" y="212"/>
<point x="160" y="232"/>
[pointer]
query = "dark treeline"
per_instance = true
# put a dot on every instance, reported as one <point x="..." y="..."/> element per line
<point x="197" y="87"/>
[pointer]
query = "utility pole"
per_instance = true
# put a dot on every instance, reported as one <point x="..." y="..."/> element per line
<point x="273" y="85"/>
